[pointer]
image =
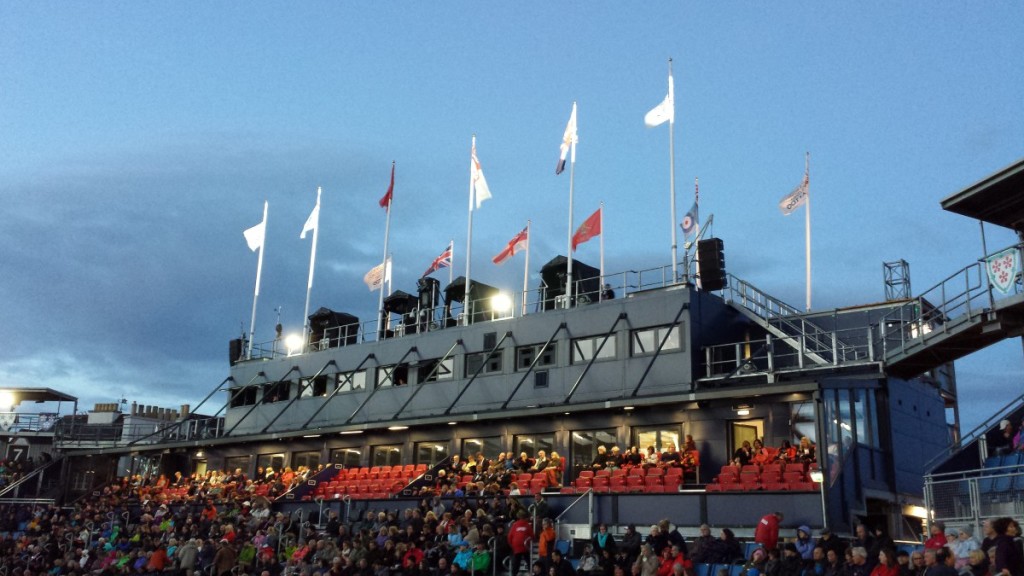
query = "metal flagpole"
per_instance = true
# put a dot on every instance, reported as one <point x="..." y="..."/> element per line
<point x="259" y="270"/>
<point x="696" y="232"/>
<point x="469" y="239"/>
<point x="526" y="267"/>
<point x="672" y="169"/>
<point x="572" y="174"/>
<point x="807" y="224"/>
<point x="451" y="257"/>
<point x="312" y="266"/>
<point x="601" y="225"/>
<point x="381" y="318"/>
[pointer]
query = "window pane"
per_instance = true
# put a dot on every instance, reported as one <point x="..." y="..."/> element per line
<point x="490" y="446"/>
<point x="349" y="381"/>
<point x="275" y="461"/>
<point x="386" y="455"/>
<point x="431" y="453"/>
<point x="585" y="443"/>
<point x="309" y="459"/>
<point x="347" y="457"/>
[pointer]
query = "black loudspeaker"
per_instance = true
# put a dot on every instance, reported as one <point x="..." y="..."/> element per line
<point x="711" y="264"/>
<point x="235" y="350"/>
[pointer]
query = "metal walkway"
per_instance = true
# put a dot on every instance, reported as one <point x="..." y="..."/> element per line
<point x="958" y="316"/>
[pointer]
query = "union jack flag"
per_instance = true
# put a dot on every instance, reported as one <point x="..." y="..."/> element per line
<point x="442" y="261"/>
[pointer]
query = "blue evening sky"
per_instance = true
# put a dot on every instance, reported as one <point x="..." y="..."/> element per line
<point x="138" y="140"/>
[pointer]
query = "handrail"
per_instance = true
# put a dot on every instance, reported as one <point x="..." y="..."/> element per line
<point x="977" y="432"/>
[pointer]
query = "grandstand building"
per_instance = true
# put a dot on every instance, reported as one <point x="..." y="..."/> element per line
<point x="648" y="361"/>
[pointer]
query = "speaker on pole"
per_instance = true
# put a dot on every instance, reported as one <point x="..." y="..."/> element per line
<point x="711" y="264"/>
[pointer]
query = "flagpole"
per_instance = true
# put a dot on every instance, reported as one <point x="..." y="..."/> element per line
<point x="526" y="267"/>
<point x="696" y="232"/>
<point x="807" y="224"/>
<point x="572" y="176"/>
<point x="451" y="250"/>
<point x="601" y="225"/>
<point x="256" y="294"/>
<point x="672" y="171"/>
<point x="312" y="265"/>
<point x="387" y="229"/>
<point x="469" y="240"/>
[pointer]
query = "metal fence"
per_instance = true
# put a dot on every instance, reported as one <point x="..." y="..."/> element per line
<point x="968" y="498"/>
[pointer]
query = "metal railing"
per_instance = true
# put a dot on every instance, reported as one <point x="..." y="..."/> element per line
<point x="813" y="339"/>
<point x="80" y="434"/>
<point x="968" y="498"/>
<point x="519" y="303"/>
<point x="959" y="297"/>
<point x="768" y="355"/>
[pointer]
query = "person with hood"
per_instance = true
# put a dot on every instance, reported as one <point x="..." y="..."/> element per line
<point x="187" y="555"/>
<point x="225" y="559"/>
<point x="804" y="544"/>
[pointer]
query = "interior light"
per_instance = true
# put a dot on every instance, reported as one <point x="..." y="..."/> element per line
<point x="743" y="412"/>
<point x="7" y="400"/>
<point x="396" y="428"/>
<point x="816" y="476"/>
<point x="346" y="432"/>
<point x="628" y="408"/>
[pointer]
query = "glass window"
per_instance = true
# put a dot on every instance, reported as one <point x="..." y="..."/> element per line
<point x="586" y="349"/>
<point x="313" y="386"/>
<point x="394" y="375"/>
<point x="243" y="396"/>
<point x="233" y="463"/>
<point x="865" y="417"/>
<point x="525" y="356"/>
<point x="646" y="340"/>
<point x="349" y="381"/>
<point x="275" y="461"/>
<point x="531" y="444"/>
<point x="585" y="443"/>
<point x="347" y="457"/>
<point x="658" y="436"/>
<point x="276" y="392"/>
<point x="802" y="416"/>
<point x="431" y="453"/>
<point x="434" y="370"/>
<point x="310" y="459"/>
<point x="386" y="455"/>
<point x="491" y="446"/>
<point x="474" y="361"/>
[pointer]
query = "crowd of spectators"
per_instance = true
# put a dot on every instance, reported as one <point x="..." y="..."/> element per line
<point x="218" y="524"/>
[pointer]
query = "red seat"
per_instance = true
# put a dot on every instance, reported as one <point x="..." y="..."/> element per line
<point x="617" y="484"/>
<point x="775" y="486"/>
<point x="586" y="474"/>
<point x="600" y="484"/>
<point x="603" y="472"/>
<point x="652" y="481"/>
<point x="793" y="476"/>
<point x="523" y="477"/>
<point x="619" y="472"/>
<point x="584" y="482"/>
<point x="635" y="483"/>
<point x="655" y="472"/>
<point x="638" y="471"/>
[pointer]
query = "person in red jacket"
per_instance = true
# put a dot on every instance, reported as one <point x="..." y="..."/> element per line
<point x="519" y="536"/>
<point x="938" y="537"/>
<point x="767" y="532"/>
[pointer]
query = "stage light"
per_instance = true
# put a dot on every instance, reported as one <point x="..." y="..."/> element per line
<point x="293" y="343"/>
<point x="7" y="401"/>
<point x="501" y="304"/>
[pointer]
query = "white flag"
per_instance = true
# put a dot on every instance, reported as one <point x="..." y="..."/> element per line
<point x="312" y="222"/>
<point x="569" y="139"/>
<point x="378" y="275"/>
<point x="794" y="199"/>
<point x="480" y="190"/>
<point x="254" y="236"/>
<point x="665" y="111"/>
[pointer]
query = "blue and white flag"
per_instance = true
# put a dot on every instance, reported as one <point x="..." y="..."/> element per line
<point x="690" y="220"/>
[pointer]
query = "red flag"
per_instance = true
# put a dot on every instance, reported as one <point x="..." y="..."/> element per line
<point x="591" y="227"/>
<point x="516" y="244"/>
<point x="385" y="202"/>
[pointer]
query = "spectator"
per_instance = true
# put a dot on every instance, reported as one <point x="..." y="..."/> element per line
<point x="887" y="565"/>
<point x="938" y="537"/>
<point x="519" y="537"/>
<point x="767" y="532"/>
<point x="804" y="544"/>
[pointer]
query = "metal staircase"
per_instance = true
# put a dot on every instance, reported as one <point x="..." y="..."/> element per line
<point x="785" y="322"/>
